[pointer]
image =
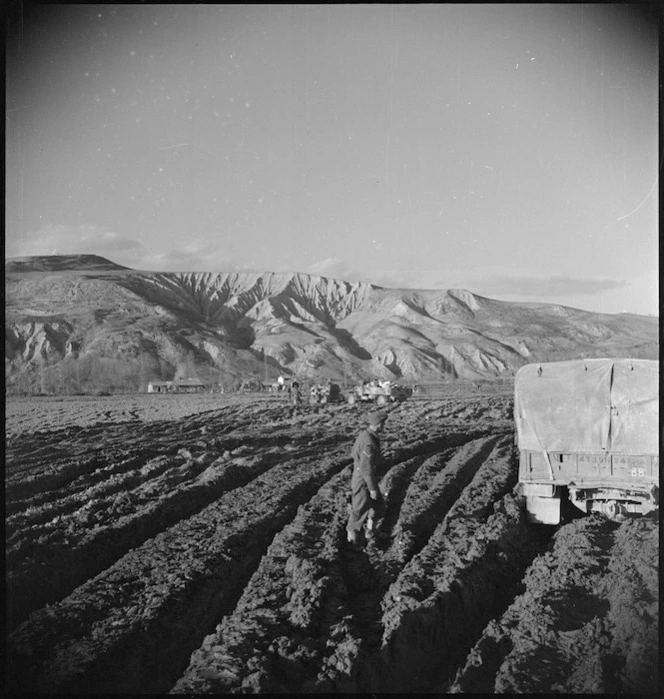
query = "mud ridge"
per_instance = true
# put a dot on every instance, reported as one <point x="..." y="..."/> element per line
<point x="634" y="660"/>
<point x="427" y="503"/>
<point x="434" y="636"/>
<point x="395" y="486"/>
<point x="95" y="525"/>
<point x="43" y="506"/>
<point x="257" y="590"/>
<point x="576" y="628"/>
<point x="287" y="621"/>
<point x="309" y="587"/>
<point x="448" y="592"/>
<point x="195" y="569"/>
<point x="64" y="566"/>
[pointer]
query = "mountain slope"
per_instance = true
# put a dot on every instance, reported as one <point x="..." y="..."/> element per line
<point x="79" y="320"/>
<point x="56" y="263"/>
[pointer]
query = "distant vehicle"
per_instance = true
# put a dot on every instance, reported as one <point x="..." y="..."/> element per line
<point x="282" y="385"/>
<point x="378" y="392"/>
<point x="588" y="431"/>
<point x="251" y="386"/>
<point x="278" y="386"/>
<point x="328" y="392"/>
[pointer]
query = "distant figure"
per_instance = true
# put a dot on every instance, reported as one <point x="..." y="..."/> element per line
<point x="295" y="395"/>
<point x="365" y="495"/>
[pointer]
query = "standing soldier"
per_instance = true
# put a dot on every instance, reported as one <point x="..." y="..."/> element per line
<point x="296" y="396"/>
<point x="365" y="495"/>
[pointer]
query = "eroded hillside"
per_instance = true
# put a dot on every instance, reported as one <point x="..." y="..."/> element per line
<point x="70" y="323"/>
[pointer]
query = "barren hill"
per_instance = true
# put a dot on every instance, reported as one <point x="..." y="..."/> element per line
<point x="56" y="263"/>
<point x="76" y="322"/>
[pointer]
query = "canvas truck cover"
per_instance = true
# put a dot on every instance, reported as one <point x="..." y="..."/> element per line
<point x="588" y="406"/>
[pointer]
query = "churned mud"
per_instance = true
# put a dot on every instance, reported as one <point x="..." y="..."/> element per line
<point x="587" y="621"/>
<point x="189" y="547"/>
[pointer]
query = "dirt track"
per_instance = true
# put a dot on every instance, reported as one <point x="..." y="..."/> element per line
<point x="196" y="544"/>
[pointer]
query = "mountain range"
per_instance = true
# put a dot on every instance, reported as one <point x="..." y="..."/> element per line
<point x="82" y="322"/>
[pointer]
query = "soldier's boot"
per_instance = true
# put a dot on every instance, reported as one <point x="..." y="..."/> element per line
<point x="374" y="532"/>
<point x="379" y="536"/>
<point x="354" y="541"/>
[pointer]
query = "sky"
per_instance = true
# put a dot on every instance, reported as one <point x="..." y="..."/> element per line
<point x="508" y="149"/>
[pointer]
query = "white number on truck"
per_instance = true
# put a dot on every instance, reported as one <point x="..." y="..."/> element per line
<point x="638" y="472"/>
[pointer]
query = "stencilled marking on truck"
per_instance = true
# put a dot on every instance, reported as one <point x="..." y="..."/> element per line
<point x="598" y="463"/>
<point x="634" y="466"/>
<point x="593" y="458"/>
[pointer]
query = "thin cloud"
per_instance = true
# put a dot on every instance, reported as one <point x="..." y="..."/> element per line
<point x="75" y="240"/>
<point x="196" y="256"/>
<point x="554" y="286"/>
<point x="416" y="279"/>
<point x="582" y="292"/>
<point x="336" y="268"/>
<point x="95" y="240"/>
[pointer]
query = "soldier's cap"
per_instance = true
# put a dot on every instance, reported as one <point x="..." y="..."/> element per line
<point x="377" y="417"/>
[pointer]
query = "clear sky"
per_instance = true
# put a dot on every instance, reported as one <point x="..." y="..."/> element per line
<point x="508" y="149"/>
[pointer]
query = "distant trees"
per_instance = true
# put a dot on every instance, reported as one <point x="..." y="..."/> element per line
<point x="93" y="376"/>
<point x="89" y="375"/>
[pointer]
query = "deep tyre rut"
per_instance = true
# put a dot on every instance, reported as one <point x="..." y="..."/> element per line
<point x="312" y="618"/>
<point x="211" y="554"/>
<point x="291" y="614"/>
<point x="67" y="557"/>
<point x="102" y="637"/>
<point x="578" y="628"/>
<point x="445" y="595"/>
<point x="117" y="507"/>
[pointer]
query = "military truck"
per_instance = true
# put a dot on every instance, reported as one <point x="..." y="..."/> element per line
<point x="379" y="392"/>
<point x="587" y="431"/>
<point x="328" y="392"/>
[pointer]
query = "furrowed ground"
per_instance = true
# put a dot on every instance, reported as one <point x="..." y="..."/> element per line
<point x="196" y="544"/>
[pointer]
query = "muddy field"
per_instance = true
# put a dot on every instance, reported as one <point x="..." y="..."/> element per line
<point x="196" y="544"/>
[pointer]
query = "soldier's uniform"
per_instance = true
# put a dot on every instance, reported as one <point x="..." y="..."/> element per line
<point x="366" y="459"/>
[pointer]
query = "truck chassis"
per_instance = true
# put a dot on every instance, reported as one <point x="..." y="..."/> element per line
<point x="587" y="431"/>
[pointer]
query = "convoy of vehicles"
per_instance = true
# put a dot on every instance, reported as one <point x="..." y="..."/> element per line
<point x="379" y="392"/>
<point x="587" y="430"/>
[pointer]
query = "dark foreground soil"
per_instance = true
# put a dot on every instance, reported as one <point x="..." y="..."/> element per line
<point x="196" y="544"/>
